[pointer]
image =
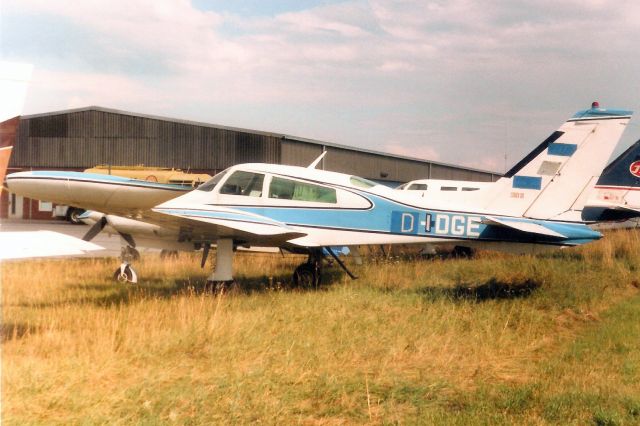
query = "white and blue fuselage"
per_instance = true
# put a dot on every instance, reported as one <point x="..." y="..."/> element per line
<point x="358" y="212"/>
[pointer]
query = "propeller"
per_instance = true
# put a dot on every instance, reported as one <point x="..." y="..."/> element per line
<point x="97" y="227"/>
<point x="205" y="253"/>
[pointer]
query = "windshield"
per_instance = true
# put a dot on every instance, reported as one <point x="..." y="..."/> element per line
<point x="211" y="183"/>
<point x="243" y="183"/>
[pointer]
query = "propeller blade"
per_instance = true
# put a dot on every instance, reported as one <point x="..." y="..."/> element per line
<point x="95" y="229"/>
<point x="205" y="254"/>
<point x="128" y="238"/>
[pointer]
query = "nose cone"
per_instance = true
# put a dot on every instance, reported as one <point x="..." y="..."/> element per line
<point x="19" y="175"/>
<point x="41" y="185"/>
<point x="21" y="183"/>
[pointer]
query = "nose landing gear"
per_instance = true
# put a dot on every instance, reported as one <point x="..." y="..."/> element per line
<point x="125" y="273"/>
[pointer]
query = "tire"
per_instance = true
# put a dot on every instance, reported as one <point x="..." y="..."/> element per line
<point x="462" y="252"/>
<point x="125" y="277"/>
<point x="73" y="214"/>
<point x="305" y="276"/>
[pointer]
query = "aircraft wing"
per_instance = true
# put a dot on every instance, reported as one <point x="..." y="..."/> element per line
<point x="23" y="245"/>
<point x="526" y="227"/>
<point x="228" y="223"/>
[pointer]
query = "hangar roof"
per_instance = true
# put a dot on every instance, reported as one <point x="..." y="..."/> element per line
<point x="283" y="136"/>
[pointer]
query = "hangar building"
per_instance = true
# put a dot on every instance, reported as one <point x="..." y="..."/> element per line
<point x="77" y="139"/>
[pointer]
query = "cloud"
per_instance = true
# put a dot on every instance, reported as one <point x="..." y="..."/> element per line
<point x="467" y="80"/>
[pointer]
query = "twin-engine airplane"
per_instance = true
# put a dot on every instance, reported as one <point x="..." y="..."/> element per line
<point x="535" y="206"/>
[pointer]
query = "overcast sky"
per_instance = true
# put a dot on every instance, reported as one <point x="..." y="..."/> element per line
<point x="458" y="81"/>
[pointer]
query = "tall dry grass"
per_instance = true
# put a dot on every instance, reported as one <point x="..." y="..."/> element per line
<point x="409" y="341"/>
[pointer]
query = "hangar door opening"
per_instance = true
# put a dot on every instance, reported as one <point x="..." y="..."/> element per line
<point x="15" y="206"/>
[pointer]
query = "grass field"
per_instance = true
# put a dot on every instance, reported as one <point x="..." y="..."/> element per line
<point x="500" y="339"/>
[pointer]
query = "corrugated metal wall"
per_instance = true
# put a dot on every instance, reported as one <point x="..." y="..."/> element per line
<point x="375" y="166"/>
<point x="296" y="153"/>
<point x="85" y="138"/>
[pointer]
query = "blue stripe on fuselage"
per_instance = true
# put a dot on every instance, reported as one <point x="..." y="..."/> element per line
<point x="395" y="218"/>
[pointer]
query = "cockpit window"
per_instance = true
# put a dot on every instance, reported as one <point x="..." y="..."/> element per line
<point x="211" y="183"/>
<point x="361" y="182"/>
<point x="243" y="183"/>
<point x="286" y="189"/>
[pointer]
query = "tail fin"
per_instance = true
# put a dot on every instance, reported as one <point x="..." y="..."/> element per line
<point x="548" y="183"/>
<point x="8" y="131"/>
<point x="616" y="195"/>
<point x="14" y="80"/>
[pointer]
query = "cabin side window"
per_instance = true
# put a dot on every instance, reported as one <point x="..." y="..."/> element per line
<point x="286" y="189"/>
<point x="243" y="183"/>
<point x="449" y="188"/>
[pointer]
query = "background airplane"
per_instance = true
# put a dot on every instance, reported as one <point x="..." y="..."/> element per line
<point x="616" y="194"/>
<point x="308" y="210"/>
<point x="428" y="187"/>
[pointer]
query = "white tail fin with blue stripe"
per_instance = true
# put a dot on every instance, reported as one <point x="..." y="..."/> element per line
<point x="548" y="183"/>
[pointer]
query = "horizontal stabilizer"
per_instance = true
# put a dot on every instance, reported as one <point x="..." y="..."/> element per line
<point x="527" y="227"/>
<point x="624" y="208"/>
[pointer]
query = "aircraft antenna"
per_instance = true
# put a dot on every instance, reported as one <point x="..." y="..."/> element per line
<point x="317" y="160"/>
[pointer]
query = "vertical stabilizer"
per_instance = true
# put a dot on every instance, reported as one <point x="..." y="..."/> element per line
<point x="8" y="130"/>
<point x="549" y="183"/>
<point x="14" y="80"/>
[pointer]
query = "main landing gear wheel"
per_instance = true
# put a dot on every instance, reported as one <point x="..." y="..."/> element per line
<point x="462" y="252"/>
<point x="73" y="215"/>
<point x="306" y="276"/>
<point x="125" y="274"/>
